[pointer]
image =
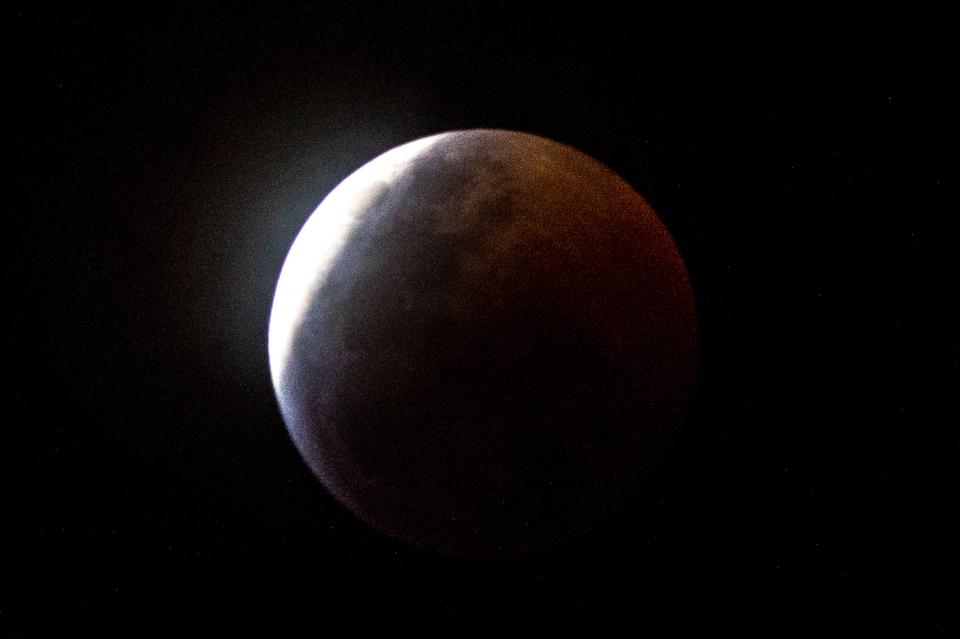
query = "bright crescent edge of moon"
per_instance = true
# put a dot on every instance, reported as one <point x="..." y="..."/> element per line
<point x="318" y="243"/>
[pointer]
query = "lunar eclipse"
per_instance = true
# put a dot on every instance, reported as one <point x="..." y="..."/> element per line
<point x="482" y="342"/>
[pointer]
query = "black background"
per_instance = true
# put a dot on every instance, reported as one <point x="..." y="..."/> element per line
<point x="163" y="160"/>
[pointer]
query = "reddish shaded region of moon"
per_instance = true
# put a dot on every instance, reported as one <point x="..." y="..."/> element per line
<point x="482" y="342"/>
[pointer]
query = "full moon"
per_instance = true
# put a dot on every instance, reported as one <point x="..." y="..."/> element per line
<point x="482" y="342"/>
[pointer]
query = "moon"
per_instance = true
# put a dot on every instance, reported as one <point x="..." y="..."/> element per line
<point x="482" y="343"/>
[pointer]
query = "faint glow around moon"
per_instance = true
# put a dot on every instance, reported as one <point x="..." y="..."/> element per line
<point x="323" y="235"/>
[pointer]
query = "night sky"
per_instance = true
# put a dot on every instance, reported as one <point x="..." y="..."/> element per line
<point x="164" y="159"/>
